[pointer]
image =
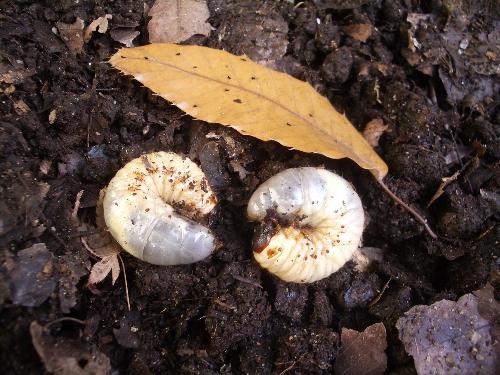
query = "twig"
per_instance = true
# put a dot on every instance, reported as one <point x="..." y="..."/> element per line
<point x="77" y="204"/>
<point x="462" y="166"/>
<point x="65" y="319"/>
<point x="85" y="244"/>
<point x="223" y="304"/>
<point x="125" y="279"/>
<point x="482" y="235"/>
<point x="107" y="89"/>
<point x="410" y="209"/>
<point x="298" y="5"/>
<point x="294" y="362"/>
<point x="288" y="368"/>
<point x="247" y="281"/>
<point x="377" y="298"/>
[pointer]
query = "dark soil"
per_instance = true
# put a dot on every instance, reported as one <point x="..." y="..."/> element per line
<point x="225" y="314"/>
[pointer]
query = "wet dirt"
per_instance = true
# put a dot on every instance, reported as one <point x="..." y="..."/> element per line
<point x="69" y="122"/>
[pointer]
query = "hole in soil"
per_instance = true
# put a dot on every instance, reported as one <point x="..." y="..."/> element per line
<point x="82" y="362"/>
<point x="440" y="93"/>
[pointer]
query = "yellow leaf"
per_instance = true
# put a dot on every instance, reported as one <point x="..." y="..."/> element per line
<point x="218" y="87"/>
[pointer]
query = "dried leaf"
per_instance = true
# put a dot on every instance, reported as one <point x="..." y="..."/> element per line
<point x="9" y="90"/>
<point x="101" y="244"/>
<point x="363" y="257"/>
<point x="45" y="166"/>
<point x="374" y="130"/>
<point x="102" y="268"/>
<point x="362" y="353"/>
<point x="173" y="21"/>
<point x="21" y="107"/>
<point x="238" y="168"/>
<point x="62" y="356"/>
<point x="72" y="34"/>
<point x="215" y="86"/>
<point x="52" y="116"/>
<point x="124" y="36"/>
<point x="14" y="74"/>
<point x="115" y="269"/>
<point x="445" y="181"/>
<point x="359" y="31"/>
<point x="100" y="25"/>
<point x="100" y="210"/>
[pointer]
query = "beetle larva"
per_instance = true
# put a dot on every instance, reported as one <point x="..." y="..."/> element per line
<point x="151" y="205"/>
<point x="316" y="221"/>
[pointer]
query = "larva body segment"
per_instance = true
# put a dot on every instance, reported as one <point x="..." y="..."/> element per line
<point x="326" y="223"/>
<point x="150" y="207"/>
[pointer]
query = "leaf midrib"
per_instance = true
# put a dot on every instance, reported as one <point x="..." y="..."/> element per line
<point x="286" y="109"/>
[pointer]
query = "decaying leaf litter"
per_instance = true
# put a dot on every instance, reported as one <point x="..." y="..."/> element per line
<point x="245" y="327"/>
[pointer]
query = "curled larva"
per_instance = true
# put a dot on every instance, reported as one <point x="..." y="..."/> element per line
<point x="151" y="205"/>
<point x="312" y="221"/>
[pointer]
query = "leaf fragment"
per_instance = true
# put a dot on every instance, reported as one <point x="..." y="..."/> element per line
<point x="21" y="107"/>
<point x="62" y="356"/>
<point x="100" y="25"/>
<point x="173" y="21"/>
<point x="374" y="130"/>
<point x="445" y="181"/>
<point x="359" y="31"/>
<point x="125" y="36"/>
<point x="218" y="87"/>
<point x="102" y="268"/>
<point x="363" y="353"/>
<point x="103" y="246"/>
<point x="72" y="34"/>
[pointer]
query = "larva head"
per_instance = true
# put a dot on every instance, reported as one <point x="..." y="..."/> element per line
<point x="264" y="232"/>
<point x="327" y="223"/>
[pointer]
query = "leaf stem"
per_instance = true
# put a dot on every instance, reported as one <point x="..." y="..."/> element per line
<point x="125" y="279"/>
<point x="408" y="208"/>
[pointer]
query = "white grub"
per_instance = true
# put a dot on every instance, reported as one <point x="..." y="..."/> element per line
<point x="151" y="205"/>
<point x="325" y="222"/>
